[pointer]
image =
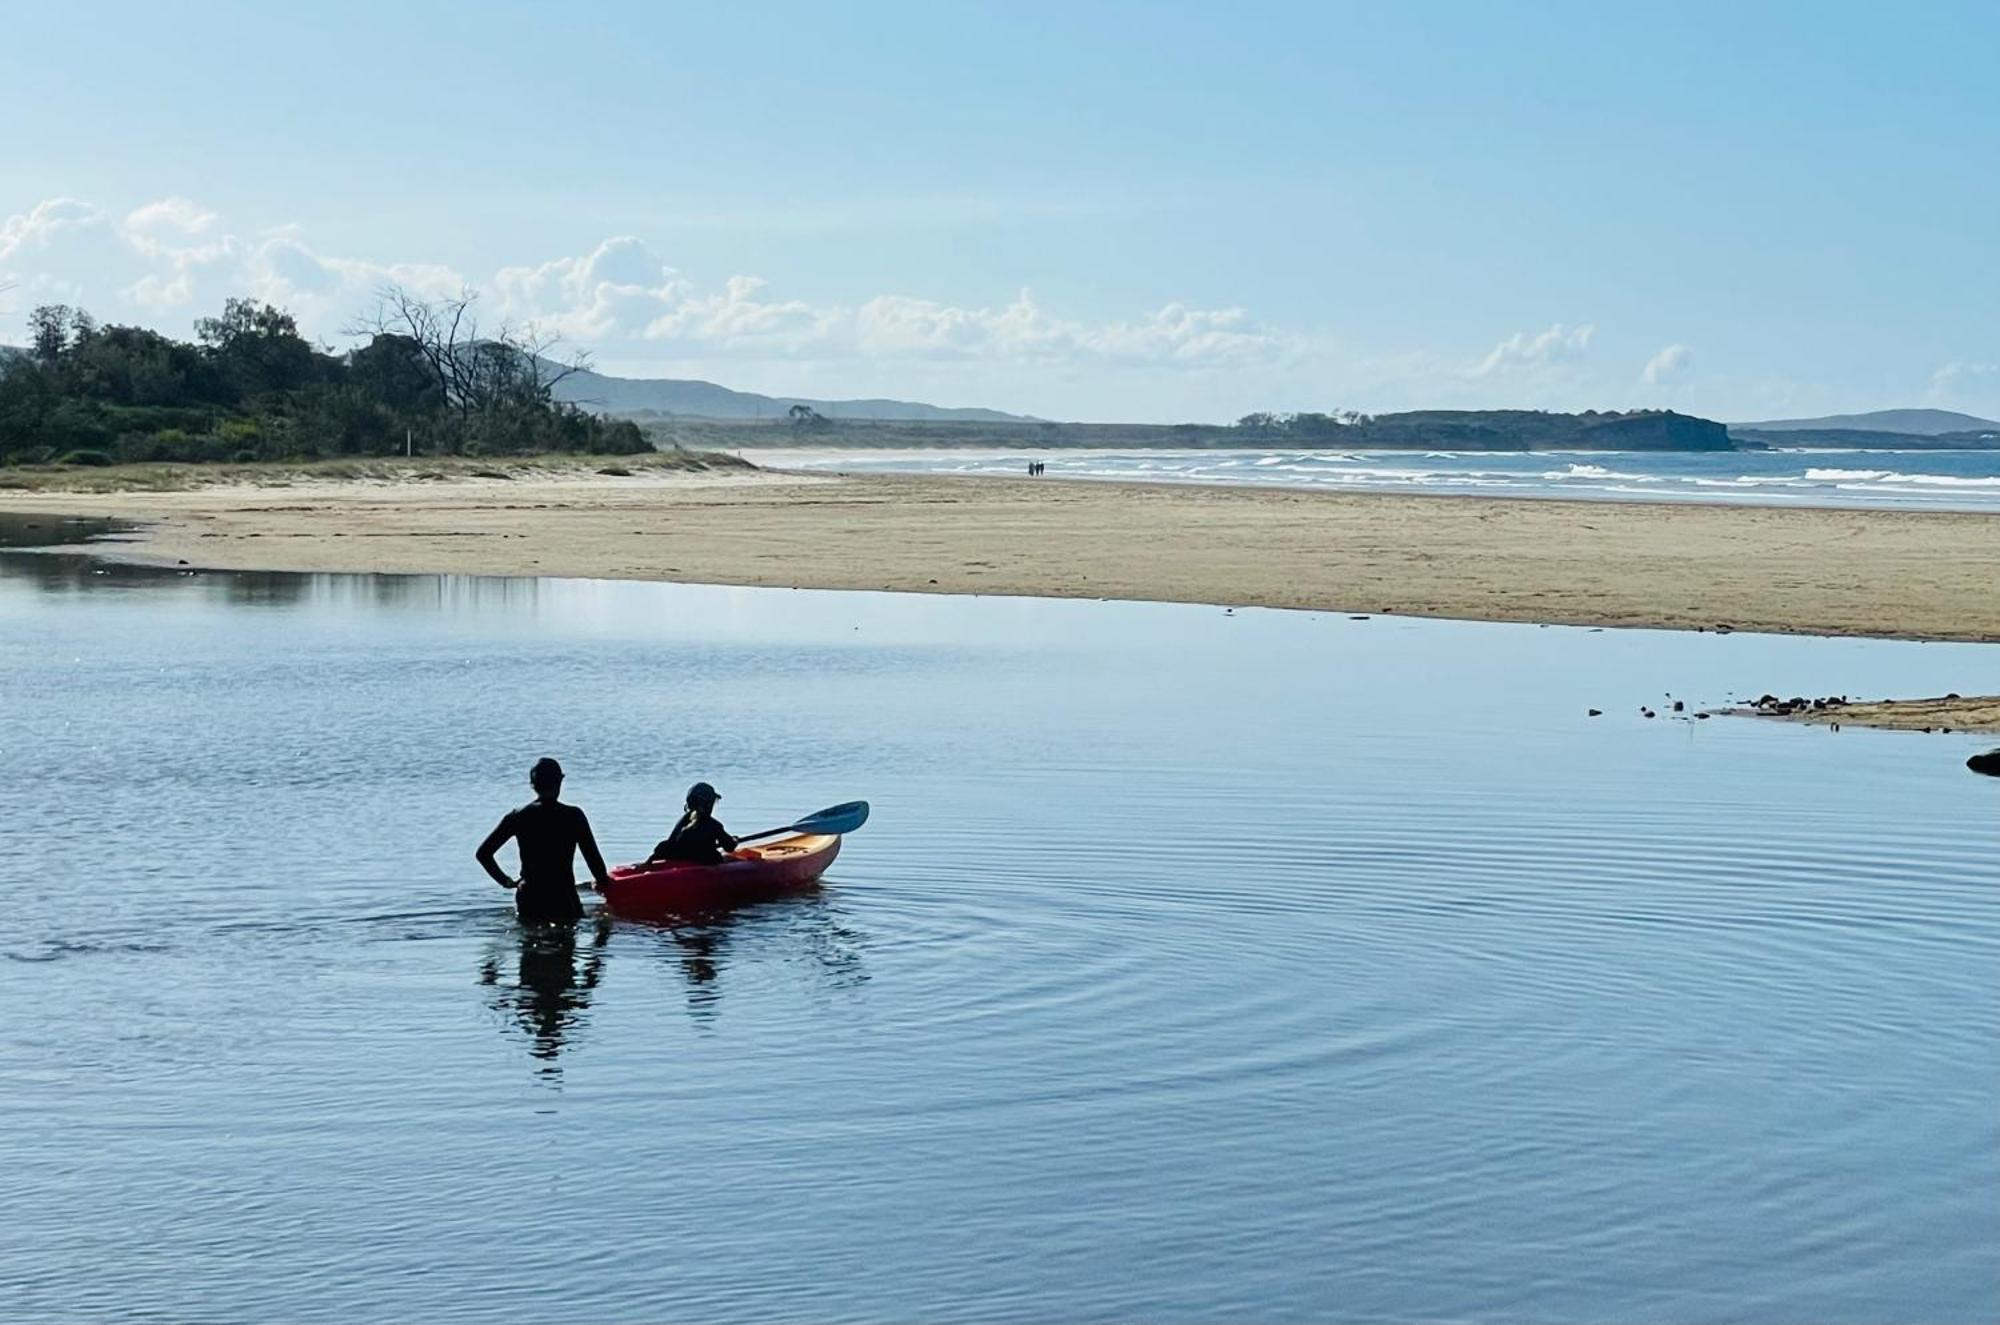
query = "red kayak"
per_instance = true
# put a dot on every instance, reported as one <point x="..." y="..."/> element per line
<point x="749" y="874"/>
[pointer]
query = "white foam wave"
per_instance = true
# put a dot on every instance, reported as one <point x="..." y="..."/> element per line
<point x="1893" y="476"/>
<point x="1599" y="471"/>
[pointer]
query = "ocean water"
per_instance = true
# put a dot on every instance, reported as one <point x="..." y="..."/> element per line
<point x="1941" y="480"/>
<point x="1195" y="965"/>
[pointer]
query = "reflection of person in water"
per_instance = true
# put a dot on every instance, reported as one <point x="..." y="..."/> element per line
<point x="552" y="991"/>
<point x="806" y="933"/>
<point x="701" y="945"/>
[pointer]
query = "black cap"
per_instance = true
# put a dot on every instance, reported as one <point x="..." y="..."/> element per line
<point x="703" y="794"/>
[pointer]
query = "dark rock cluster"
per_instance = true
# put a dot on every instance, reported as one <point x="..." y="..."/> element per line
<point x="1785" y="708"/>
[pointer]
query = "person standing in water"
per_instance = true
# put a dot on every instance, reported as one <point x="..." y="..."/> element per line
<point x="699" y="836"/>
<point x="548" y="835"/>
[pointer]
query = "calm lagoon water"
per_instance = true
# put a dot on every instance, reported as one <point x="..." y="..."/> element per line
<point x="1934" y="480"/>
<point x="1195" y="966"/>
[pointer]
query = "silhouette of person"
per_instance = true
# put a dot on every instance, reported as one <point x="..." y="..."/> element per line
<point x="699" y="836"/>
<point x="548" y="834"/>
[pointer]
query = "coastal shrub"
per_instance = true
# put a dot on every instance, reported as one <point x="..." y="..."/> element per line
<point x="250" y="387"/>
<point x="90" y="458"/>
<point x="242" y="432"/>
<point x="169" y="446"/>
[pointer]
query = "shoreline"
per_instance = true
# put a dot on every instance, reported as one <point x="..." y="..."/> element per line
<point x="1943" y="714"/>
<point x="1663" y="565"/>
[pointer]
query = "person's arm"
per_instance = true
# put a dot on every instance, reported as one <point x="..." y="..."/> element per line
<point x="494" y="841"/>
<point x="586" y="841"/>
<point x="723" y="840"/>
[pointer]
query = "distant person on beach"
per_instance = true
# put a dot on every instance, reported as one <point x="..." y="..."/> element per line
<point x="699" y="836"/>
<point x="548" y="835"/>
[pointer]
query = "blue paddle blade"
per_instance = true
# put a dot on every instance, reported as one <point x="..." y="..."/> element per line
<point x="835" y="819"/>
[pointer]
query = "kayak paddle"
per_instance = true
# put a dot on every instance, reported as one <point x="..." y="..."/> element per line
<point x="835" y="819"/>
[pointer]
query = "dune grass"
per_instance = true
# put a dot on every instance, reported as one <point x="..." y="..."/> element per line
<point x="368" y="469"/>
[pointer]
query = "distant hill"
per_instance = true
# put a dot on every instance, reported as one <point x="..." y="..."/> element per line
<point x="1857" y="439"/>
<point x="690" y="398"/>
<point x="1914" y="422"/>
<point x="1538" y="430"/>
<point x="1420" y="430"/>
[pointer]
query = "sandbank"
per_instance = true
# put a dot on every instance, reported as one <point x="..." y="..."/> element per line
<point x="1907" y="574"/>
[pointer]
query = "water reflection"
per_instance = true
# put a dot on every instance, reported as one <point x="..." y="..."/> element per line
<point x="68" y="573"/>
<point x="806" y="934"/>
<point x="27" y="555"/>
<point x="551" y="990"/>
<point x="20" y="530"/>
<point x="700" y="946"/>
<point x="556" y="969"/>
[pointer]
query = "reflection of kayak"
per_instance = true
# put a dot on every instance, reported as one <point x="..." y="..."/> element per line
<point x="747" y="875"/>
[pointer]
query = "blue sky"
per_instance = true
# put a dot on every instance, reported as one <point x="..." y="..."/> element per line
<point x="1106" y="211"/>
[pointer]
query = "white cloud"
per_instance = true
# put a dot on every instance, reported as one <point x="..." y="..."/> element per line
<point x="21" y="236"/>
<point x="154" y="227"/>
<point x="1538" y="350"/>
<point x="1667" y="365"/>
<point x="896" y="325"/>
<point x="47" y="251"/>
<point x="615" y="290"/>
<point x="623" y="292"/>
<point x="738" y="318"/>
<point x="168" y="261"/>
<point x="1966" y="384"/>
<point x="176" y="236"/>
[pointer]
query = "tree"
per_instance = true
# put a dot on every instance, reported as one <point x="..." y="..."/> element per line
<point x="138" y="366"/>
<point x="257" y="348"/>
<point x="394" y="370"/>
<point x="474" y="372"/>
<point x="50" y="328"/>
<point x="253" y="388"/>
<point x="805" y="416"/>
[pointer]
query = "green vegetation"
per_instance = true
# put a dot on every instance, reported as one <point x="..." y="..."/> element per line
<point x="1492" y="430"/>
<point x="250" y="388"/>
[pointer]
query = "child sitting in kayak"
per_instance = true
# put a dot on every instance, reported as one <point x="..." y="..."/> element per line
<point x="699" y="836"/>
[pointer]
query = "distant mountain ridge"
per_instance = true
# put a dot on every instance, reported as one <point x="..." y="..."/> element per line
<point x="1914" y="422"/>
<point x="693" y="398"/>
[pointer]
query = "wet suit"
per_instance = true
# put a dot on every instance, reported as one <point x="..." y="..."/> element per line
<point x="548" y="835"/>
<point x="697" y="837"/>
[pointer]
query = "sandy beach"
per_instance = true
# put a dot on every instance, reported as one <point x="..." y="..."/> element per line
<point x="1927" y="575"/>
